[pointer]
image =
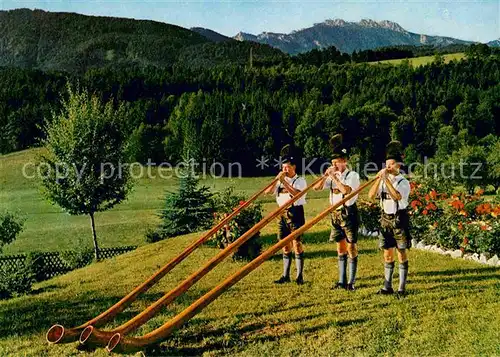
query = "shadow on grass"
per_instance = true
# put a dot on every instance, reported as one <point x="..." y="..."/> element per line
<point x="459" y="271"/>
<point x="25" y="316"/>
<point x="316" y="238"/>
<point x="230" y="337"/>
<point x="307" y="238"/>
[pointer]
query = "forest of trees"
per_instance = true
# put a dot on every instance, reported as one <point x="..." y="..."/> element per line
<point x="234" y="113"/>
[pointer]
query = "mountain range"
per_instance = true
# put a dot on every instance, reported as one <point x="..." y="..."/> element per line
<point x="494" y="43"/>
<point x="72" y="42"/>
<point x="347" y="37"/>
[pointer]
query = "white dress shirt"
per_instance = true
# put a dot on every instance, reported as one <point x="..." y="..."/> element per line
<point x="400" y="184"/>
<point x="349" y="178"/>
<point x="297" y="182"/>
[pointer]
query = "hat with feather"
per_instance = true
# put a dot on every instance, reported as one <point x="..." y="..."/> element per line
<point x="394" y="151"/>
<point x="339" y="150"/>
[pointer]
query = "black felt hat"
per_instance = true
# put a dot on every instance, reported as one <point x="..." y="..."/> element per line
<point x="394" y="151"/>
<point x="289" y="155"/>
<point x="339" y="150"/>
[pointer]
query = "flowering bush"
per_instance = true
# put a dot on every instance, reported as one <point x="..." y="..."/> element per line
<point x="369" y="215"/>
<point x="466" y="222"/>
<point x="225" y="202"/>
<point x="477" y="223"/>
<point x="425" y="209"/>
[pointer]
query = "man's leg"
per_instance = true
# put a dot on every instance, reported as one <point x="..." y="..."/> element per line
<point x="403" y="270"/>
<point x="342" y="264"/>
<point x="387" y="243"/>
<point x="298" y="220"/>
<point x="283" y="231"/>
<point x="352" y="253"/>
<point x="351" y="233"/>
<point x="388" y="270"/>
<point x="337" y="235"/>
<point x="299" y="259"/>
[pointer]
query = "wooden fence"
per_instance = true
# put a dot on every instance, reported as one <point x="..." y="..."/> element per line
<point x="46" y="265"/>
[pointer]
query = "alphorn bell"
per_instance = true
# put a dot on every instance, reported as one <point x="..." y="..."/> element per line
<point x="59" y="334"/>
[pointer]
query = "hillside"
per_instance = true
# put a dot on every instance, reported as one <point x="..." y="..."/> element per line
<point x="72" y="42"/>
<point x="347" y="37"/>
<point x="211" y="35"/>
<point x="422" y="61"/>
<point x="451" y="310"/>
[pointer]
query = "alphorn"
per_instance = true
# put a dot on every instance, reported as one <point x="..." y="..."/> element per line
<point x="123" y="344"/>
<point x="93" y="337"/>
<point x="59" y="334"/>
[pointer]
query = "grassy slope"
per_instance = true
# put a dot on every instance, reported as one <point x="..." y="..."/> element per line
<point x="452" y="308"/>
<point x="421" y="61"/>
<point x="49" y="228"/>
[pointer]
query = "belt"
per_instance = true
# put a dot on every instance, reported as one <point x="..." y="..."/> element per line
<point x="392" y="215"/>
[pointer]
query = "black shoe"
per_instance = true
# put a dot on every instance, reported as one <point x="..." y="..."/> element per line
<point x="338" y="286"/>
<point x="401" y="294"/>
<point x="282" y="280"/>
<point x="299" y="280"/>
<point x="384" y="291"/>
<point x="350" y="287"/>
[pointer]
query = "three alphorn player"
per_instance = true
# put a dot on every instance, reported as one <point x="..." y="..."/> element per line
<point x="392" y="190"/>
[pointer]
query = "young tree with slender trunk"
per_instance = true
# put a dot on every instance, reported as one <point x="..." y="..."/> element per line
<point x="84" y="166"/>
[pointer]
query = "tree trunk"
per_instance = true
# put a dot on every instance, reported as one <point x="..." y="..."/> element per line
<point x="94" y="237"/>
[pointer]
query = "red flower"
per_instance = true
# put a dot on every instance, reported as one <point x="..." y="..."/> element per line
<point x="427" y="197"/>
<point x="415" y="204"/>
<point x="484" y="227"/>
<point x="242" y="203"/>
<point x="433" y="194"/>
<point x="431" y="206"/>
<point x="485" y="208"/>
<point x="466" y="241"/>
<point x="460" y="226"/>
<point x="425" y="212"/>
<point x="457" y="204"/>
<point x="480" y="192"/>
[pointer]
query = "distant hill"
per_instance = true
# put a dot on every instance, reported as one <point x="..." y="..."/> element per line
<point x="73" y="42"/>
<point x="211" y="35"/>
<point x="229" y="53"/>
<point x="49" y="40"/>
<point x="494" y="43"/>
<point x="347" y="37"/>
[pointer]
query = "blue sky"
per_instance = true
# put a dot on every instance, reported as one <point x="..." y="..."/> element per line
<point x="468" y="20"/>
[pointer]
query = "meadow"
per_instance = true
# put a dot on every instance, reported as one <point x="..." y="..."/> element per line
<point x="452" y="308"/>
<point x="424" y="60"/>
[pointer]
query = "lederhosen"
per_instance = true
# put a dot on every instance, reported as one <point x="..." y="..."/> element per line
<point x="395" y="226"/>
<point x="345" y="221"/>
<point x="290" y="220"/>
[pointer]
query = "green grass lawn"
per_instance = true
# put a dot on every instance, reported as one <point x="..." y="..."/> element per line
<point x="421" y="61"/>
<point x="452" y="309"/>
